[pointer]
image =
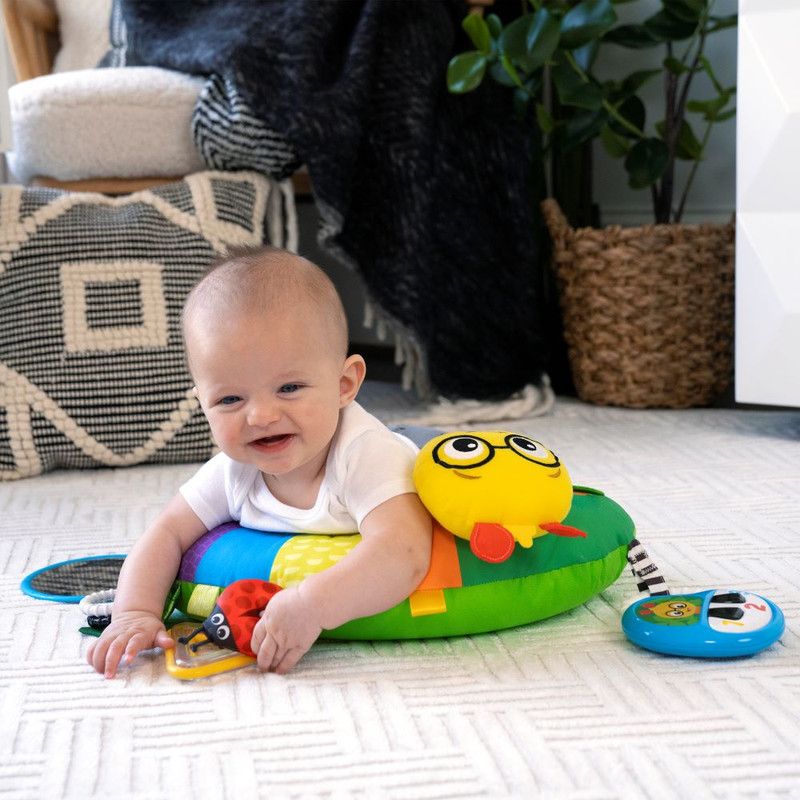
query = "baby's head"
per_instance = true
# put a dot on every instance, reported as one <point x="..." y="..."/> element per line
<point x="269" y="284"/>
<point x="266" y="341"/>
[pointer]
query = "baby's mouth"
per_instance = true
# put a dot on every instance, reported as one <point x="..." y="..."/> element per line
<point x="272" y="442"/>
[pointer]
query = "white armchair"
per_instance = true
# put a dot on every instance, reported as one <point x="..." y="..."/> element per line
<point x="112" y="130"/>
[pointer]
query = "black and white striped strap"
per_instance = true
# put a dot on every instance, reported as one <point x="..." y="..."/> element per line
<point x="642" y="566"/>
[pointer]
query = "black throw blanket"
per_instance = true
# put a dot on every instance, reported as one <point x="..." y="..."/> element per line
<point x="432" y="197"/>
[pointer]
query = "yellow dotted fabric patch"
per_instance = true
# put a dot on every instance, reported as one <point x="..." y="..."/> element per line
<point x="308" y="553"/>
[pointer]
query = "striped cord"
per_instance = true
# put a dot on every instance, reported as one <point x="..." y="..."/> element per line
<point x="642" y="566"/>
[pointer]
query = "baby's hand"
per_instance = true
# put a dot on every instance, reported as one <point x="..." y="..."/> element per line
<point x="285" y="631"/>
<point x="128" y="633"/>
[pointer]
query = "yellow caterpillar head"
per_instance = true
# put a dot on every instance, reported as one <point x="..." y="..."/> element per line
<point x="497" y="479"/>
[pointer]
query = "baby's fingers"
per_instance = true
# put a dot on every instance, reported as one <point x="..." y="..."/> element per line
<point x="288" y="661"/>
<point x="106" y="660"/>
<point x="266" y="652"/>
<point x="137" y="643"/>
<point x="96" y="654"/>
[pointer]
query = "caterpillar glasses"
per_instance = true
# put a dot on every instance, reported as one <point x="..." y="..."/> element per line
<point x="467" y="452"/>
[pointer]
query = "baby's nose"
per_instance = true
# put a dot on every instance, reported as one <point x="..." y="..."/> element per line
<point x="262" y="413"/>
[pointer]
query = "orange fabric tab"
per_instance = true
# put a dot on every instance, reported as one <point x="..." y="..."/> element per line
<point x="445" y="571"/>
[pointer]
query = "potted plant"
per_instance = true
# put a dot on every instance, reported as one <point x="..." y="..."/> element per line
<point x="648" y="311"/>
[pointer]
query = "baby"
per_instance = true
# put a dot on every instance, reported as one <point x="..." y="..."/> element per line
<point x="266" y="342"/>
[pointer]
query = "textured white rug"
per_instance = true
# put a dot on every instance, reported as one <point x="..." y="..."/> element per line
<point x="566" y="708"/>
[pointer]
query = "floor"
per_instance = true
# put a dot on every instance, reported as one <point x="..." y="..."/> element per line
<point x="566" y="708"/>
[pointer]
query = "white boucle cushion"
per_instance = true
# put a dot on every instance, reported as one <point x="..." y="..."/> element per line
<point x="99" y="123"/>
<point x="83" y="30"/>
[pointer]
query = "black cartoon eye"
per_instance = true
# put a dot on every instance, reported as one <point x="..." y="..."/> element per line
<point x="532" y="450"/>
<point x="462" y="451"/>
<point x="677" y="605"/>
<point x="222" y="632"/>
<point x="674" y="613"/>
<point x="217" y="619"/>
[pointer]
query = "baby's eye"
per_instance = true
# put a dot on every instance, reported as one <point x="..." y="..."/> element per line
<point x="229" y="400"/>
<point x="289" y="388"/>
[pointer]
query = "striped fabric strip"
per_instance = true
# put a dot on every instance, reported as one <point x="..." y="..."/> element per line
<point x="229" y="135"/>
<point x="649" y="576"/>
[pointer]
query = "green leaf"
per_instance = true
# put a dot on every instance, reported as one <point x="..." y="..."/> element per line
<point x="512" y="72"/>
<point x="720" y="23"/>
<point x="513" y="40"/>
<point x="634" y="37"/>
<point x="690" y="148"/>
<point x="585" y="22"/>
<point x="711" y="109"/>
<point x="706" y="65"/>
<point x="541" y="39"/>
<point x="633" y="110"/>
<point x="573" y="91"/>
<point x="498" y="73"/>
<point x="674" y="66"/>
<point x="636" y="80"/>
<point x="545" y="119"/>
<point x="495" y="25"/>
<point x="664" y="27"/>
<point x="725" y="115"/>
<point x="583" y="127"/>
<point x="478" y="31"/>
<point x="646" y="162"/>
<point x="686" y="10"/>
<point x="465" y="71"/>
<point x="585" y="56"/>
<point x="615" y="145"/>
<point x="687" y="147"/>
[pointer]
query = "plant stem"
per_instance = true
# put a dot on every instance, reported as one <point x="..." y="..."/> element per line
<point x="663" y="206"/>
<point x="679" y="213"/>
<point x="677" y="96"/>
<point x="612" y="110"/>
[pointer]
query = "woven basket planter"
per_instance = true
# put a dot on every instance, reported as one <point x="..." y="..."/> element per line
<point x="648" y="311"/>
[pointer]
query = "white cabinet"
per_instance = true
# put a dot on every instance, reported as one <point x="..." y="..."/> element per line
<point x="768" y="203"/>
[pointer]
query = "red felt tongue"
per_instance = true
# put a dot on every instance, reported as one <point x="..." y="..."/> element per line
<point x="562" y="530"/>
<point x="491" y="542"/>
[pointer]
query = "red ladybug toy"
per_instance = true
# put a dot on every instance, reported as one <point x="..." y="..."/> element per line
<point x="236" y="613"/>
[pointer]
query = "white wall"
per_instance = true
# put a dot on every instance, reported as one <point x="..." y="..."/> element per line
<point x="712" y="198"/>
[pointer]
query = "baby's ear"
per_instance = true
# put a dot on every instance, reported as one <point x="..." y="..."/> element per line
<point x="352" y="377"/>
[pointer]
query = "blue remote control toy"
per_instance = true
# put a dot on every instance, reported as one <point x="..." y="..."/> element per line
<point x="707" y="624"/>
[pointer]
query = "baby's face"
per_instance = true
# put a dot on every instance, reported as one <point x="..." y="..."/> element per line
<point x="270" y="388"/>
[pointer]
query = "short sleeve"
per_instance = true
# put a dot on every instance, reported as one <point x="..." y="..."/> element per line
<point x="207" y="492"/>
<point x="378" y="467"/>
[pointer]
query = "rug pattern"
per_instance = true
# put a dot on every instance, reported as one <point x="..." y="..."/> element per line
<point x="564" y="708"/>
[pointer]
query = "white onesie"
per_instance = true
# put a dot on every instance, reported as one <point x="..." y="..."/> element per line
<point x="367" y="465"/>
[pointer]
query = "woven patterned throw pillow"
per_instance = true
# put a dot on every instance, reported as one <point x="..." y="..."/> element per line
<point x="92" y="371"/>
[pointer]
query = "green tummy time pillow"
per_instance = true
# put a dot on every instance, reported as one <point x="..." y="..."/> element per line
<point x="462" y="593"/>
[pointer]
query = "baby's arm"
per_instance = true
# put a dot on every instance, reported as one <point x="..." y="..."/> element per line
<point x="384" y="568"/>
<point x="145" y="579"/>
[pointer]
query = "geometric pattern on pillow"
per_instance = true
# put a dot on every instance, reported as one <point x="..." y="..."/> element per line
<point x="92" y="370"/>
